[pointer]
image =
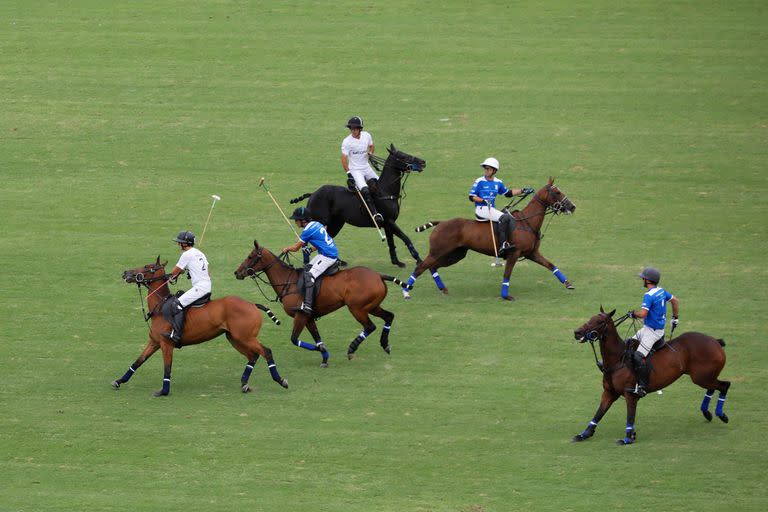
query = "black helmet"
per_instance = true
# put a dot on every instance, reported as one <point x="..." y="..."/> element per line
<point x="650" y="274"/>
<point x="301" y="213"/>
<point x="355" y="122"/>
<point x="185" y="237"/>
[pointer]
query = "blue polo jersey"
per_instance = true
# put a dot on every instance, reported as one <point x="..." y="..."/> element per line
<point x="314" y="233"/>
<point x="655" y="301"/>
<point x="488" y="190"/>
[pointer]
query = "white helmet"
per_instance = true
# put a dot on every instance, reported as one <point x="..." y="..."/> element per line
<point x="490" y="162"/>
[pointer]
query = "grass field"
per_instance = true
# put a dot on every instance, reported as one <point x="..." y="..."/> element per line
<point x="120" y="119"/>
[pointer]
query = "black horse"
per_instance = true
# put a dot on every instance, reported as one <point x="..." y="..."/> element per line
<point x="334" y="206"/>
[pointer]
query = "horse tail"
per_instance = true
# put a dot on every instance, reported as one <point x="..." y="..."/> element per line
<point x="428" y="225"/>
<point x="300" y="198"/>
<point x="269" y="313"/>
<point x="395" y="280"/>
<point x="721" y="341"/>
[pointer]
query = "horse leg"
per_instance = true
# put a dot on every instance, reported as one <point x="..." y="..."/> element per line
<point x="544" y="262"/>
<point x="150" y="349"/>
<point x="629" y="433"/>
<point x="605" y="403"/>
<point x="252" y="348"/>
<point x="167" y="348"/>
<point x="299" y="322"/>
<point x="368" y="327"/>
<point x="388" y="317"/>
<point x="391" y="244"/>
<point x="395" y="229"/>
<point x="420" y="268"/>
<point x="319" y="345"/>
<point x="511" y="260"/>
<point x="712" y="385"/>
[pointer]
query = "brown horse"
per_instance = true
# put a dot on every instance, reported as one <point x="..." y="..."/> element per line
<point x="700" y="356"/>
<point x="237" y="318"/>
<point x="451" y="240"/>
<point x="361" y="289"/>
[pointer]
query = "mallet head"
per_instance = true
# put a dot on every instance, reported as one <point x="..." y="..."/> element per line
<point x="216" y="198"/>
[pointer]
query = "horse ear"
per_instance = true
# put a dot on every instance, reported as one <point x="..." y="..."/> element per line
<point x="551" y="180"/>
<point x="164" y="263"/>
<point x="601" y="309"/>
<point x="611" y="313"/>
<point x="158" y="259"/>
<point x="256" y="244"/>
<point x="391" y="148"/>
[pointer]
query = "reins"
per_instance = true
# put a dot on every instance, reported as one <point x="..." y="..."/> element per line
<point x="598" y="336"/>
<point x="259" y="280"/>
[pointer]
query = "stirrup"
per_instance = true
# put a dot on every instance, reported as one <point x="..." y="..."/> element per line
<point x="305" y="308"/>
<point x="638" y="390"/>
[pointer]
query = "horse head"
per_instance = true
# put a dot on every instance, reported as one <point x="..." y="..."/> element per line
<point x="403" y="162"/>
<point x="553" y="198"/>
<point x="595" y="328"/>
<point x="252" y="264"/>
<point x="146" y="274"/>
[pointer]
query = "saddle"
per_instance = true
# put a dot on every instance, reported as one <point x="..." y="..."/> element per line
<point x="333" y="269"/>
<point x="165" y="309"/>
<point x="497" y="229"/>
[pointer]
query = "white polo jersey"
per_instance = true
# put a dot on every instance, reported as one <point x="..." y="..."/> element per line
<point x="197" y="264"/>
<point x="356" y="150"/>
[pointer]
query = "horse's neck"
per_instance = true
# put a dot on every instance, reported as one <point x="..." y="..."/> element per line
<point x="389" y="181"/>
<point x="533" y="213"/>
<point x="611" y="346"/>
<point x="157" y="297"/>
<point x="277" y="273"/>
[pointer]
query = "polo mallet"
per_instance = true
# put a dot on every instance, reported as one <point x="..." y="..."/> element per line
<point x="496" y="263"/>
<point x="210" y="212"/>
<point x="266" y="188"/>
<point x="360" y="195"/>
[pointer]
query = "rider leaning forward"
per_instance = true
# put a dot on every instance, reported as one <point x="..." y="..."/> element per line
<point x="483" y="194"/>
<point x="653" y="311"/>
<point x="327" y="254"/>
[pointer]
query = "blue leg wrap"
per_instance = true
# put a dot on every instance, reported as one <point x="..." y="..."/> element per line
<point x="128" y="374"/>
<point x="273" y="370"/>
<point x="705" y="402"/>
<point x="166" y="385"/>
<point x="720" y="404"/>
<point x="305" y="345"/>
<point x="410" y="282"/>
<point x="559" y="275"/>
<point x="438" y="281"/>
<point x="505" y="288"/>
<point x="247" y="372"/>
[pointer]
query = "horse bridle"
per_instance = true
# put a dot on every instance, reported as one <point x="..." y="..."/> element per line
<point x="599" y="335"/>
<point x="256" y="275"/>
<point x="404" y="167"/>
<point x="140" y="280"/>
<point x="556" y="207"/>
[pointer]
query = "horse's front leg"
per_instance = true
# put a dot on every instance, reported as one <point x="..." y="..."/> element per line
<point x="393" y="228"/>
<point x="629" y="433"/>
<point x="299" y="322"/>
<point x="544" y="262"/>
<point x="150" y="349"/>
<point x="391" y="244"/>
<point x="511" y="260"/>
<point x="319" y="345"/>
<point x="167" y="348"/>
<point x="605" y="403"/>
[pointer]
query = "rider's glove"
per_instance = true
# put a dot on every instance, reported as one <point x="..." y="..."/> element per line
<point x="674" y="321"/>
<point x="631" y="313"/>
<point x="350" y="182"/>
<point x="528" y="190"/>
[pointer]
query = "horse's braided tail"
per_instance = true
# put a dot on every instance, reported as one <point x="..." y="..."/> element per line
<point x="428" y="225"/>
<point x="269" y="313"/>
<point x="300" y="198"/>
<point x="721" y="341"/>
<point x="395" y="280"/>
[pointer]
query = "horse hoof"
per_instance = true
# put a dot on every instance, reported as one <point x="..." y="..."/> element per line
<point x="246" y="388"/>
<point x="387" y="349"/>
<point x="159" y="393"/>
<point x="577" y="438"/>
<point x="324" y="364"/>
<point x="723" y="418"/>
<point x="569" y="286"/>
<point x="284" y="383"/>
<point x="707" y="415"/>
<point x="444" y="291"/>
<point x="115" y="384"/>
<point x="509" y="298"/>
<point x="406" y="295"/>
<point x="399" y="264"/>
<point x="350" y="355"/>
<point x="625" y="441"/>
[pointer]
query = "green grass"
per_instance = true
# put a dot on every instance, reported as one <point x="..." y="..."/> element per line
<point x="119" y="120"/>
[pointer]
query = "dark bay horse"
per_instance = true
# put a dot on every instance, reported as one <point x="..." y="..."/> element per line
<point x="451" y="239"/>
<point x="361" y="289"/>
<point x="700" y="356"/>
<point x="232" y="316"/>
<point x="334" y="206"/>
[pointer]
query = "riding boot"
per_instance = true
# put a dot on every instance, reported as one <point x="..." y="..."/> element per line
<point x="371" y="206"/>
<point x="506" y="246"/>
<point x="177" y="324"/>
<point x="641" y="373"/>
<point x="309" y="289"/>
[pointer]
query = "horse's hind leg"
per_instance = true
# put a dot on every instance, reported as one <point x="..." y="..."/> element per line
<point x="722" y="386"/>
<point x="150" y="349"/>
<point x="252" y="348"/>
<point x="368" y="327"/>
<point x="388" y="317"/>
<point x="537" y="257"/>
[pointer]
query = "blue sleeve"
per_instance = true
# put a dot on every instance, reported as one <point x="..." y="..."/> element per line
<point x="306" y="235"/>
<point x="473" y="190"/>
<point x="646" y="302"/>
<point x="502" y="189"/>
<point x="667" y="296"/>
